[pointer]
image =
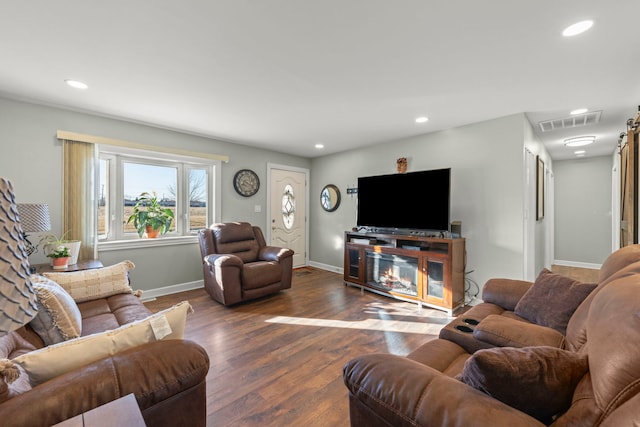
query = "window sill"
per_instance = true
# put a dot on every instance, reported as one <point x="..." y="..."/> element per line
<point x="146" y="243"/>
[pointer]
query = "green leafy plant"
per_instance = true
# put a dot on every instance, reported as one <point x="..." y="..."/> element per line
<point x="59" y="252"/>
<point x="50" y="242"/>
<point x="148" y="212"/>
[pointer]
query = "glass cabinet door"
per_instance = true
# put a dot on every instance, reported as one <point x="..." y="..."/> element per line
<point x="433" y="278"/>
<point x="353" y="263"/>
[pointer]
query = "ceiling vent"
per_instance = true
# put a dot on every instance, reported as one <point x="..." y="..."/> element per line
<point x="571" y="121"/>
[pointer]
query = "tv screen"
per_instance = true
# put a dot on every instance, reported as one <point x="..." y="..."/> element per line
<point x="413" y="201"/>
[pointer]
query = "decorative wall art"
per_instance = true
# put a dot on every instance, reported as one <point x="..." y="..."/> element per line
<point x="246" y="182"/>
<point x="401" y="165"/>
<point x="540" y="189"/>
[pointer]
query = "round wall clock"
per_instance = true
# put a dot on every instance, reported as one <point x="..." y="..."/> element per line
<point x="246" y="182"/>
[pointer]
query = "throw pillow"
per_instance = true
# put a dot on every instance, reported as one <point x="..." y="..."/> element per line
<point x="95" y="283"/>
<point x="536" y="380"/>
<point x="58" y="317"/>
<point x="552" y="299"/>
<point x="49" y="362"/>
<point x="13" y="379"/>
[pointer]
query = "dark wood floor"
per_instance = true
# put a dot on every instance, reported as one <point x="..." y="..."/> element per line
<point x="278" y="361"/>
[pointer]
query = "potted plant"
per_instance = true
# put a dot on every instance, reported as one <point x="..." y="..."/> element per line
<point x="60" y="257"/>
<point x="51" y="242"/>
<point x="150" y="216"/>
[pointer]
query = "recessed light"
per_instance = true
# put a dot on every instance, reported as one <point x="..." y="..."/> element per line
<point x="319" y="146"/>
<point x="577" y="28"/>
<point x="579" y="111"/>
<point x="579" y="152"/>
<point x="422" y="119"/>
<point x="76" y="84"/>
<point x="579" y="141"/>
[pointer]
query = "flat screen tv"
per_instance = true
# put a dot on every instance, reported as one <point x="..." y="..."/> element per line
<point x="410" y="201"/>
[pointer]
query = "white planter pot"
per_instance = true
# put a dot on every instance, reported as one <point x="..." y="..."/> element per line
<point x="74" y="250"/>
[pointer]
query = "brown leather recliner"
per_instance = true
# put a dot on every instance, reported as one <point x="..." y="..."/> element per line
<point x="239" y="266"/>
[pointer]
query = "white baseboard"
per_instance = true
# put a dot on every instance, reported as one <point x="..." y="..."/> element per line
<point x="577" y="264"/>
<point x="152" y="294"/>
<point x="327" y="267"/>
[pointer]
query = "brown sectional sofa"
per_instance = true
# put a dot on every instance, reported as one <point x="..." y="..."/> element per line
<point x="167" y="376"/>
<point x="592" y="365"/>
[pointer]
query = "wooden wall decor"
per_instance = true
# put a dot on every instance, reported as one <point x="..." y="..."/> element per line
<point x="629" y="183"/>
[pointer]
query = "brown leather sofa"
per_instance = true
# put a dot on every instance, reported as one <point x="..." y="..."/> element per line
<point x="167" y="377"/>
<point x="430" y="387"/>
<point x="239" y="266"/>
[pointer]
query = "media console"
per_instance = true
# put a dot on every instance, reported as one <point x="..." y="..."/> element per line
<point x="425" y="270"/>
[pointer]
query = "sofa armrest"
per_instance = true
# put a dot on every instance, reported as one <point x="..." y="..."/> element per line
<point x="274" y="253"/>
<point x="393" y="390"/>
<point x="223" y="260"/>
<point x="504" y="331"/>
<point x="505" y="292"/>
<point x="155" y="372"/>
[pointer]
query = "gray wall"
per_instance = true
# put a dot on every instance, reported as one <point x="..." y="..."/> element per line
<point x="486" y="161"/>
<point x="583" y="210"/>
<point x="487" y="185"/>
<point x="31" y="157"/>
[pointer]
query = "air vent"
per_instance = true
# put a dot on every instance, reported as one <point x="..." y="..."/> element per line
<point x="571" y="121"/>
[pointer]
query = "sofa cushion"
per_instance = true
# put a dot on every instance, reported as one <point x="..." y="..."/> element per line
<point x="111" y="312"/>
<point x="236" y="238"/>
<point x="537" y="380"/>
<point x="58" y="317"/>
<point x="260" y="274"/>
<point x="95" y="283"/>
<point x="49" y="362"/>
<point x="552" y="300"/>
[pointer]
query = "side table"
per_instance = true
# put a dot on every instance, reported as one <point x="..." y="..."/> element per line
<point x="79" y="266"/>
<point x="121" y="412"/>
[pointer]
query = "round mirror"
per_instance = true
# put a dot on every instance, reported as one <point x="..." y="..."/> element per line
<point x="330" y="198"/>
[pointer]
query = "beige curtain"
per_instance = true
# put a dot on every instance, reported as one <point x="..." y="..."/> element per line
<point x="79" y="196"/>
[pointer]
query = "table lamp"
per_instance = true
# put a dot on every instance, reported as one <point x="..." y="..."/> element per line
<point x="34" y="218"/>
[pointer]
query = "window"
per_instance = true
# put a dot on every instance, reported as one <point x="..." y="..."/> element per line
<point x="184" y="184"/>
<point x="288" y="207"/>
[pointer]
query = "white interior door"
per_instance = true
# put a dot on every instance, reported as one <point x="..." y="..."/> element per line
<point x="288" y="212"/>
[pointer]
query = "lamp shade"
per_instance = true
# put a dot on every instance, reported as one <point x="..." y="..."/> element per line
<point x="34" y="217"/>
<point x="17" y="298"/>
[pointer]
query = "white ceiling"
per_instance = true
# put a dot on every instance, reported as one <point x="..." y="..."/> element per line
<point x="287" y="74"/>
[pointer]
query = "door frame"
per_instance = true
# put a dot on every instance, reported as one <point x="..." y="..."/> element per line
<point x="272" y="166"/>
<point x="529" y="223"/>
